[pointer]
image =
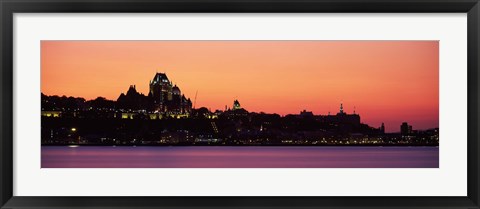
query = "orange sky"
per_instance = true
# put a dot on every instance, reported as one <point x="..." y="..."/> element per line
<point x="387" y="81"/>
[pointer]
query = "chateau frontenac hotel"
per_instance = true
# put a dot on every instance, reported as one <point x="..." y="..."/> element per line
<point x="168" y="97"/>
<point x="164" y="98"/>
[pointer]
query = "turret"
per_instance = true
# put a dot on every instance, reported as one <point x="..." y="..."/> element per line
<point x="176" y="90"/>
<point x="236" y="105"/>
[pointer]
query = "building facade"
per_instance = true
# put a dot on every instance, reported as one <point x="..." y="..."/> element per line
<point x="166" y="97"/>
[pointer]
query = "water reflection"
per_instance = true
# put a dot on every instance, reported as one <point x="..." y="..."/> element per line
<point x="239" y="157"/>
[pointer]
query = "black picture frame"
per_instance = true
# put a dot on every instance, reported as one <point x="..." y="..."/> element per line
<point x="9" y="7"/>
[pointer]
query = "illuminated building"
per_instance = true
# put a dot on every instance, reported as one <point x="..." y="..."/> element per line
<point x="167" y="98"/>
<point x="54" y="114"/>
<point x="161" y="91"/>
<point x="236" y="105"/>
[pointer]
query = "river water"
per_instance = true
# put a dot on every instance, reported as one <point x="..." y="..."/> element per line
<point x="238" y="157"/>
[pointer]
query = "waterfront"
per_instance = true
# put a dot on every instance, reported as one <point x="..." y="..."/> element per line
<point x="238" y="157"/>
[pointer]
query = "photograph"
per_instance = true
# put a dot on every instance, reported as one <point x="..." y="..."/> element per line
<point x="239" y="104"/>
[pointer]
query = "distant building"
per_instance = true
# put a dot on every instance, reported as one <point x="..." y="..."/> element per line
<point x="343" y="117"/>
<point x="132" y="100"/>
<point x="236" y="105"/>
<point x="405" y="129"/>
<point x="352" y="120"/>
<point x="306" y="113"/>
<point x="236" y="110"/>
<point x="382" y="128"/>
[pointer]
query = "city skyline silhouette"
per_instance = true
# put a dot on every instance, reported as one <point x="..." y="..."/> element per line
<point x="384" y="81"/>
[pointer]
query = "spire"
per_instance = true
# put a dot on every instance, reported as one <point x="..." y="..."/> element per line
<point x="236" y="105"/>
<point x="354" y="110"/>
<point x="341" y="108"/>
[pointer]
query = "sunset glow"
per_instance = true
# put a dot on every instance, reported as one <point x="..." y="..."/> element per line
<point x="383" y="81"/>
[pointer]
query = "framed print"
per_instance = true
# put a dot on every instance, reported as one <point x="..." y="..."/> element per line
<point x="240" y="104"/>
<point x="138" y="129"/>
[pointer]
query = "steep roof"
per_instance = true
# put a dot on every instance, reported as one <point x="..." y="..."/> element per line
<point x="159" y="77"/>
<point x="236" y="103"/>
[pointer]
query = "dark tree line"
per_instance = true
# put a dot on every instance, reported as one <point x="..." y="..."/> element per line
<point x="75" y="103"/>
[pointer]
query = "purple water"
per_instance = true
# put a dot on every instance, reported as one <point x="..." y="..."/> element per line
<point x="238" y="157"/>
